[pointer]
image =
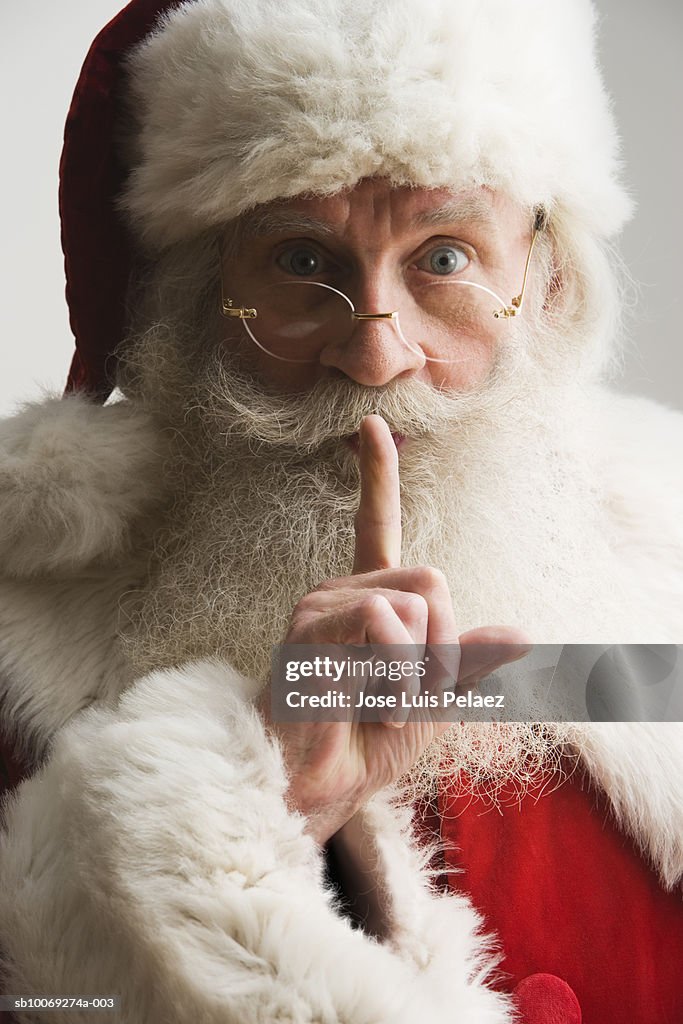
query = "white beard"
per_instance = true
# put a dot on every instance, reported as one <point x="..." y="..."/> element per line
<point x="498" y="490"/>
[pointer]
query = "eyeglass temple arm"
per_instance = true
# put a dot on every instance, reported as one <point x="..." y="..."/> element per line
<point x="540" y="224"/>
<point x="238" y="312"/>
<point x="227" y="308"/>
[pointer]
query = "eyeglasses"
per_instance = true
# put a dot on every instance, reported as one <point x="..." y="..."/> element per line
<point x="293" y="320"/>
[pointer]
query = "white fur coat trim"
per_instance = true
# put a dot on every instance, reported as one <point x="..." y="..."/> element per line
<point x="75" y="479"/>
<point x="154" y="857"/>
<point x="272" y="100"/>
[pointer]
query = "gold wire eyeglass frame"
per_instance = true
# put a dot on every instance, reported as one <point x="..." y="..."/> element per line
<point x="514" y="308"/>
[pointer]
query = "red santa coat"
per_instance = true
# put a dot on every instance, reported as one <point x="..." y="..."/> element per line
<point x="577" y="908"/>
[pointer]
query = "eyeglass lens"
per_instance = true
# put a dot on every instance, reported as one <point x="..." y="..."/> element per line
<point x="295" y="320"/>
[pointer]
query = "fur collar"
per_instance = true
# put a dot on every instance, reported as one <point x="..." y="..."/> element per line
<point x="639" y="766"/>
<point x="75" y="478"/>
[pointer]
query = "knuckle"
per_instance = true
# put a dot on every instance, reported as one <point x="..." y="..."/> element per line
<point x="430" y="579"/>
<point x="297" y="624"/>
<point x="306" y="610"/>
<point x="415" y="608"/>
<point x="374" y="605"/>
<point x="304" y="605"/>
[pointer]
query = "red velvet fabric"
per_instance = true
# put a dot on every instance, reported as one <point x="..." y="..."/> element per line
<point x="95" y="241"/>
<point x="546" y="999"/>
<point x="12" y="770"/>
<point x="12" y="767"/>
<point x="570" y="897"/>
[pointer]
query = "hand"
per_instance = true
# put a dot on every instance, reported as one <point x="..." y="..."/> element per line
<point x="335" y="767"/>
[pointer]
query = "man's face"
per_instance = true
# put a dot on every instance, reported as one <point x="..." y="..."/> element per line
<point x="386" y="249"/>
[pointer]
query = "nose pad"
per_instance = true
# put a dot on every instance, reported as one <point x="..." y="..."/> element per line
<point x="375" y="352"/>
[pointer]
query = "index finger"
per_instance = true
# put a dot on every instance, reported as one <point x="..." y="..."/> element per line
<point x="378" y="520"/>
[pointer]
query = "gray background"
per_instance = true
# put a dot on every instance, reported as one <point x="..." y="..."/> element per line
<point x="43" y="45"/>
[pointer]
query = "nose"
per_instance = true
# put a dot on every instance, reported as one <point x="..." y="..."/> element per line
<point x="374" y="353"/>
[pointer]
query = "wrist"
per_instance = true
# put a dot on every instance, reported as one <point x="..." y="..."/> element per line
<point x="325" y="813"/>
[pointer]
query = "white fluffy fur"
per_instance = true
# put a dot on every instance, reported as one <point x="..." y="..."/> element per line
<point x="75" y="480"/>
<point x="155" y="857"/>
<point x="154" y="854"/>
<point x="640" y="767"/>
<point x="643" y="470"/>
<point x="274" y="99"/>
<point x="79" y="486"/>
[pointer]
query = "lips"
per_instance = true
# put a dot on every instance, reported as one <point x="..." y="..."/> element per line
<point x="353" y="441"/>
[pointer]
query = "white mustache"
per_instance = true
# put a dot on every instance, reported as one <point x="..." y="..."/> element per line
<point x="333" y="409"/>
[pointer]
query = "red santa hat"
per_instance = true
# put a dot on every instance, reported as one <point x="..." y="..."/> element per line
<point x="233" y="104"/>
<point x="96" y="241"/>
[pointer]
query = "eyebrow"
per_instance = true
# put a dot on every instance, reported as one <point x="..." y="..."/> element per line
<point x="259" y="224"/>
<point x="262" y="223"/>
<point x="454" y="211"/>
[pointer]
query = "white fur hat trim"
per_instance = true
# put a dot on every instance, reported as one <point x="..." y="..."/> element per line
<point x="240" y="102"/>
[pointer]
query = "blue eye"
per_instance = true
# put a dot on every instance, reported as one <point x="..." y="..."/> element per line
<point x="302" y="261"/>
<point x="445" y="260"/>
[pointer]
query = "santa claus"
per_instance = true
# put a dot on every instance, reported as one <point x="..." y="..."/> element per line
<point x="348" y="267"/>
